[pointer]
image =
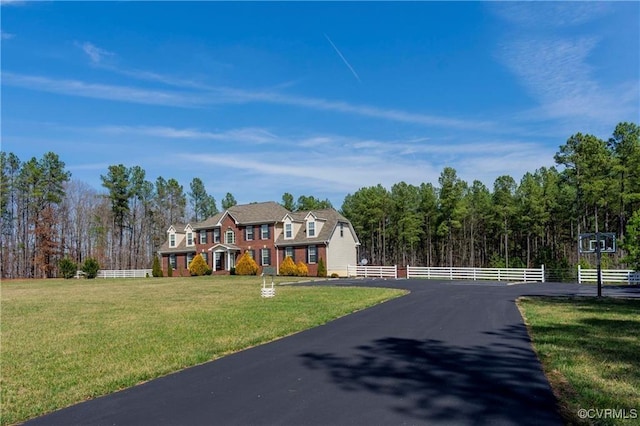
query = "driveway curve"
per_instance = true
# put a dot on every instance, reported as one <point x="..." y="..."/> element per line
<point x="446" y="353"/>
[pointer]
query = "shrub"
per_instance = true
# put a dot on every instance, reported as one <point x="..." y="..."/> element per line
<point x="156" y="269"/>
<point x="91" y="267"/>
<point x="246" y="265"/>
<point x="303" y="271"/>
<point x="170" y="272"/>
<point x="335" y="275"/>
<point x="68" y="267"/>
<point x="198" y="266"/>
<point x="288" y="268"/>
<point x="322" y="269"/>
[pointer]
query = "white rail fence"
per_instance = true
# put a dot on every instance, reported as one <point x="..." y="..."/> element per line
<point x="623" y="276"/>
<point x="372" y="271"/>
<point x="495" y="274"/>
<point x="119" y="273"/>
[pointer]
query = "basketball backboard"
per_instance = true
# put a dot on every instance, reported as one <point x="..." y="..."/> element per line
<point x="587" y="243"/>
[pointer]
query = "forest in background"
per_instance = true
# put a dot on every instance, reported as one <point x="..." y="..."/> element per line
<point x="46" y="216"/>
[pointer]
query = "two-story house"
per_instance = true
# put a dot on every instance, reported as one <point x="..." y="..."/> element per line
<point x="269" y="233"/>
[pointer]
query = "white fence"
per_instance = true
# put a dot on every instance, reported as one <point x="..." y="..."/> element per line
<point x="372" y="271"/>
<point x="624" y="276"/>
<point x="124" y="273"/>
<point x="495" y="274"/>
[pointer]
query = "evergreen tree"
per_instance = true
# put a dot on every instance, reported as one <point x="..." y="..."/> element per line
<point x="228" y="201"/>
<point x="203" y="204"/>
<point x="68" y="268"/>
<point x="156" y="269"/>
<point x="91" y="268"/>
<point x="287" y="202"/>
<point x="322" y="269"/>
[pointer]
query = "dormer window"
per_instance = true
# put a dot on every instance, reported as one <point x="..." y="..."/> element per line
<point x="172" y="240"/>
<point x="288" y="231"/>
<point x="189" y="238"/>
<point x="311" y="229"/>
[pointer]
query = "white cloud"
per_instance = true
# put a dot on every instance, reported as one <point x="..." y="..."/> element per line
<point x="100" y="91"/>
<point x="544" y="15"/>
<point x="557" y="73"/>
<point x="6" y="36"/>
<point x="94" y="52"/>
<point x="251" y="134"/>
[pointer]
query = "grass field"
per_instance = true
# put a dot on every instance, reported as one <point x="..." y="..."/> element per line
<point x="590" y="350"/>
<point x="65" y="341"/>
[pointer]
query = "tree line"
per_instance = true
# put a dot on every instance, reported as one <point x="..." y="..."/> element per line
<point x="514" y="224"/>
<point x="47" y="217"/>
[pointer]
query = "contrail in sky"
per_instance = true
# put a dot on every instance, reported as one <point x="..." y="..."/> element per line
<point x="343" y="59"/>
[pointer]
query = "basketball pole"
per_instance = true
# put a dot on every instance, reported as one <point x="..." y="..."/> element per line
<point x="598" y="256"/>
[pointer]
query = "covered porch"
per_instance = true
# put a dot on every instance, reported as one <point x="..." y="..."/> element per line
<point x="224" y="256"/>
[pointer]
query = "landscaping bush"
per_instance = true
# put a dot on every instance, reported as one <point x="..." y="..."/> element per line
<point x="335" y="275"/>
<point x="322" y="269"/>
<point x="68" y="267"/>
<point x="170" y="272"/>
<point x="246" y="265"/>
<point x="198" y="266"/>
<point x="302" y="269"/>
<point x="91" y="267"/>
<point x="288" y="268"/>
<point x="156" y="269"/>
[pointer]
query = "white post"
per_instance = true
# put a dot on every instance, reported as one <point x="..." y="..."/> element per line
<point x="542" y="268"/>
<point x="579" y="275"/>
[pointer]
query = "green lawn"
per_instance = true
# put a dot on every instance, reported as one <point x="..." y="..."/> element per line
<point x="65" y="341"/>
<point x="590" y="350"/>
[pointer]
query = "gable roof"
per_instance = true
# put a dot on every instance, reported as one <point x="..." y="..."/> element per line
<point x="331" y="219"/>
<point x="248" y="214"/>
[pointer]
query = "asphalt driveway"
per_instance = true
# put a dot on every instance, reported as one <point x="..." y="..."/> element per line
<point x="447" y="353"/>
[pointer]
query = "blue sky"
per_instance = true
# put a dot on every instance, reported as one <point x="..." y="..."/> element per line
<point x="258" y="99"/>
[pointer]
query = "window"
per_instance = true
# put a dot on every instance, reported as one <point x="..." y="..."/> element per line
<point x="218" y="261"/>
<point x="252" y="254"/>
<point x="264" y="232"/>
<point x="312" y="254"/>
<point x="172" y="240"/>
<point x="205" y="257"/>
<point x="311" y="229"/>
<point x="342" y="229"/>
<point x="216" y="235"/>
<point x="230" y="237"/>
<point x="203" y="237"/>
<point x="265" y="254"/>
<point x="288" y="231"/>
<point x="248" y="233"/>
<point x="189" y="238"/>
<point x="172" y="261"/>
<point x="289" y="251"/>
<point x="188" y="260"/>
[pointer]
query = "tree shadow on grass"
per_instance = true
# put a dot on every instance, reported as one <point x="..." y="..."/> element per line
<point x="429" y="381"/>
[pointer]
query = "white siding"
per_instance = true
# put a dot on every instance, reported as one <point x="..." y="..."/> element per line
<point x="341" y="252"/>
